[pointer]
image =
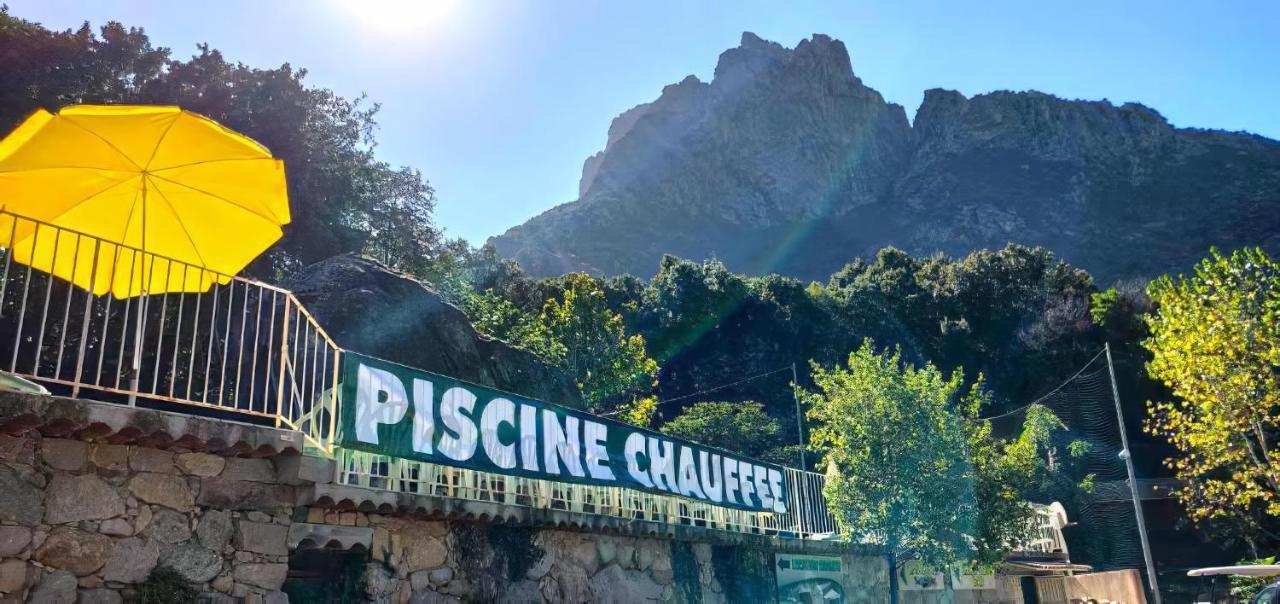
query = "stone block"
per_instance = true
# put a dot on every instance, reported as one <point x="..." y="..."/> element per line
<point x="268" y="539"/>
<point x="214" y="530"/>
<point x="113" y="458"/>
<point x="169" y="527"/>
<point x="315" y="515"/>
<point x="64" y="454"/>
<point x="162" y="489"/>
<point x="299" y="470"/>
<point x="118" y="527"/>
<point x="20" y="502"/>
<point x="250" y="470"/>
<point x="266" y="576"/>
<point x="419" y="548"/>
<point x="13" y="539"/>
<point x="131" y="560"/>
<point x="196" y="564"/>
<point x="143" y="459"/>
<point x="242" y="495"/>
<point x="200" y="464"/>
<point x="99" y="596"/>
<point x="13" y="576"/>
<point x="74" y="550"/>
<point x="56" y="587"/>
<point x="18" y="449"/>
<point x="613" y="584"/>
<point x="84" y="497"/>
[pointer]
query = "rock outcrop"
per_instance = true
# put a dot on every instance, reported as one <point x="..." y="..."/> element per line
<point x="371" y="309"/>
<point x="786" y="162"/>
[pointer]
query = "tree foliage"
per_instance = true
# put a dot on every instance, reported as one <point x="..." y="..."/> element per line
<point x="342" y="198"/>
<point x="911" y="465"/>
<point x="1215" y="342"/>
<point x="743" y="428"/>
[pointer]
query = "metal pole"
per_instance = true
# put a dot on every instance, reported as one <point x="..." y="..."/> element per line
<point x="1133" y="482"/>
<point x="804" y="467"/>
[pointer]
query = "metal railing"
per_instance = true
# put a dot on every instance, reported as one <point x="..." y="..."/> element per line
<point x="228" y="345"/>
<point x="806" y="517"/>
<point x="231" y="347"/>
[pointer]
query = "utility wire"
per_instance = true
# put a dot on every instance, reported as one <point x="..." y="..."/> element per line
<point x="723" y="386"/>
<point x="1049" y="393"/>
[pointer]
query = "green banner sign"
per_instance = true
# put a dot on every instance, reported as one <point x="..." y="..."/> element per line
<point x="403" y="412"/>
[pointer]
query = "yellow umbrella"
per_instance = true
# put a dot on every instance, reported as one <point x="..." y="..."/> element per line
<point x="154" y="184"/>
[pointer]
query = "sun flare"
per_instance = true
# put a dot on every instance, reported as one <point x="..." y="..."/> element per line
<point x="398" y="17"/>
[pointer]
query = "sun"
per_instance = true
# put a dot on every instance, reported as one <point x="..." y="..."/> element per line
<point x="399" y="17"/>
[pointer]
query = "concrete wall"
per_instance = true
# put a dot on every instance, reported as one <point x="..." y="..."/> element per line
<point x="88" y="521"/>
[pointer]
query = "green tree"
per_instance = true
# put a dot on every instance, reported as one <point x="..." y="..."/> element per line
<point x="910" y="465"/>
<point x="743" y="428"/>
<point x="1215" y="342"/>
<point x="607" y="363"/>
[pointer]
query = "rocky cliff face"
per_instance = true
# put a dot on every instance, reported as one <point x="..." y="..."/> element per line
<point x="370" y="309"/>
<point x="786" y="162"/>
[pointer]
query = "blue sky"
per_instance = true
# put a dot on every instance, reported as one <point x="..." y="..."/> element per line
<point x="498" y="102"/>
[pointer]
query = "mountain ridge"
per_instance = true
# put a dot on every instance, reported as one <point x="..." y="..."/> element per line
<point x="787" y="162"/>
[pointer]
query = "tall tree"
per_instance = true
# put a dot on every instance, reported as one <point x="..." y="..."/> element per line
<point x="910" y="465"/>
<point x="1215" y="342"/>
<point x="607" y="363"/>
<point x="743" y="428"/>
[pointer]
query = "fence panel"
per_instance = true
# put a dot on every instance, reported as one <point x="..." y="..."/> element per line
<point x="187" y="337"/>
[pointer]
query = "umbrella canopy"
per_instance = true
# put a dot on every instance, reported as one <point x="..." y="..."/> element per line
<point x="155" y="184"/>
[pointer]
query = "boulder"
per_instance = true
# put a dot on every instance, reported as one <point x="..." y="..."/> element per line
<point x="20" y="502"/>
<point x="84" y="497"/>
<point x="565" y="583"/>
<point x="18" y="449"/>
<point x="200" y="464"/>
<point x="167" y="490"/>
<point x="131" y="560"/>
<point x="420" y="548"/>
<point x="80" y="552"/>
<point x="118" y="527"/>
<point x="368" y="307"/>
<point x="112" y="458"/>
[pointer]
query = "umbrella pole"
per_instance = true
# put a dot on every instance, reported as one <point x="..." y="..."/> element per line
<point x="136" y="371"/>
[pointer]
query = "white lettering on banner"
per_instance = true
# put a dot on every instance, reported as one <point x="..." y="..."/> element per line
<point x="594" y="435"/>
<point x="455" y="401"/>
<point x="710" y="476"/>
<point x="380" y="399"/>
<point x="560" y="443"/>
<point x="662" y="464"/>
<point x="424" y="417"/>
<point x="731" y="480"/>
<point x="688" y="475"/>
<point x="529" y="437"/>
<point x="635" y="450"/>
<point x="498" y="411"/>
<point x="745" y="488"/>
<point x="539" y="441"/>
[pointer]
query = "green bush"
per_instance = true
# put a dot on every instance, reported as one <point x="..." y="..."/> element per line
<point x="165" y="586"/>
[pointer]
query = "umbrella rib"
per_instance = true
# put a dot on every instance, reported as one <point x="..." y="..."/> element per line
<point x="269" y="219"/>
<point x="211" y="161"/>
<point x="160" y="141"/>
<point x="195" y="248"/>
<point x="104" y="140"/>
<point x="73" y="206"/>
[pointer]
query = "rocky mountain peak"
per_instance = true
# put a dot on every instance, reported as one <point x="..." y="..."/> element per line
<point x="786" y="162"/>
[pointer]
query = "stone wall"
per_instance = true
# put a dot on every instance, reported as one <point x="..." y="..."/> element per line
<point x="89" y="522"/>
